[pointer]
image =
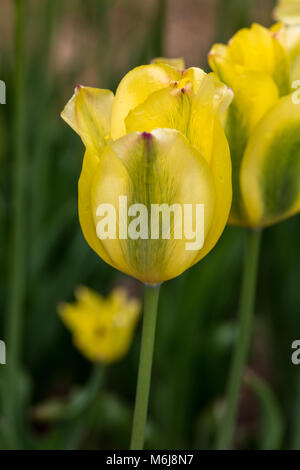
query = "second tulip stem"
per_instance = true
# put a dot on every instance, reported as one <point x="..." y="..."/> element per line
<point x="145" y="366"/>
<point x="243" y="340"/>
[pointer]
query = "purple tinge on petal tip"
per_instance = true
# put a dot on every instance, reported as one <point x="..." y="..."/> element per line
<point x="147" y="135"/>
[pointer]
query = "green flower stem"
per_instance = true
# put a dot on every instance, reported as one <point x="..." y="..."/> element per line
<point x="145" y="366"/>
<point x="244" y="335"/>
<point x="17" y="275"/>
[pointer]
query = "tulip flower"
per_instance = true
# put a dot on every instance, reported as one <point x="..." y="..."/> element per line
<point x="155" y="187"/>
<point x="185" y="162"/>
<point x="262" y="127"/>
<point x="102" y="327"/>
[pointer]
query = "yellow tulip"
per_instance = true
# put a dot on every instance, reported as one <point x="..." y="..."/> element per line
<point x="102" y="328"/>
<point x="262" y="126"/>
<point x="158" y="140"/>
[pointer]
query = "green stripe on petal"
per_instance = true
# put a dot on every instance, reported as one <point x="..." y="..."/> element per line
<point x="271" y="166"/>
<point x="157" y="168"/>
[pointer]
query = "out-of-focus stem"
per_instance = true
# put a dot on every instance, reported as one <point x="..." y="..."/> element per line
<point x="40" y="156"/>
<point x="233" y="15"/>
<point x="159" y="30"/>
<point x="244" y="336"/>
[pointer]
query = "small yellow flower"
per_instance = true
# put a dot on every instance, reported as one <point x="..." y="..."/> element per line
<point x="102" y="328"/>
<point x="158" y="141"/>
<point x="262" y="126"/>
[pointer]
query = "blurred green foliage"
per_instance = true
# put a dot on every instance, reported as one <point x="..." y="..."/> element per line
<point x="66" y="402"/>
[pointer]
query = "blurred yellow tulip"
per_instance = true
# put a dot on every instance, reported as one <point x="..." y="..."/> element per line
<point x="288" y="11"/>
<point x="262" y="126"/>
<point x="102" y="328"/>
<point x="158" y="141"/>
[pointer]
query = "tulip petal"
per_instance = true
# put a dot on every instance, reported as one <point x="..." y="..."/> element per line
<point x="134" y="89"/>
<point x="166" y="108"/>
<point x="254" y="95"/>
<point x="288" y="11"/>
<point x="293" y="46"/>
<point x="270" y="170"/>
<point x="89" y="167"/>
<point x="193" y="114"/>
<point x="192" y="75"/>
<point x="220" y="165"/>
<point x="89" y="113"/>
<point x="177" y="63"/>
<point x="290" y="40"/>
<point x="209" y="105"/>
<point x="157" y="168"/>
<point x="254" y="49"/>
